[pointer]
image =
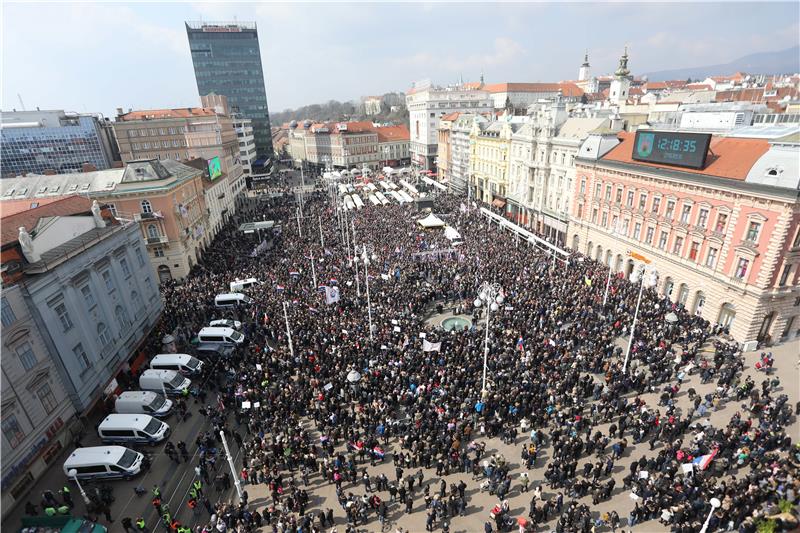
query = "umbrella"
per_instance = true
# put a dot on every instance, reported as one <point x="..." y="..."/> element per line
<point x="353" y="376"/>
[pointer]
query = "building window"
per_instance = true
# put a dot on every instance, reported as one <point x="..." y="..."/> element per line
<point x="47" y="398"/>
<point x="7" y="313"/>
<point x="670" y="209"/>
<point x="608" y="193"/>
<point x="122" y="316"/>
<point x="146" y="207"/>
<point x="625" y="225"/>
<point x="152" y="231"/>
<point x="26" y="355"/>
<point x="13" y="431"/>
<point x="88" y="297"/>
<point x="158" y="251"/>
<point x="649" y="235"/>
<point x="583" y="186"/>
<point x="126" y="270"/>
<point x="677" y="246"/>
<point x="662" y="240"/>
<point x="741" y="268"/>
<point x="594" y="216"/>
<point x="597" y="189"/>
<point x="722" y="221"/>
<point x="139" y="257"/>
<point x="753" y="230"/>
<point x="108" y="281"/>
<point x="630" y="199"/>
<point x="138" y="306"/>
<point x="604" y="220"/>
<point x="642" y="200"/>
<point x="81" y="357"/>
<point x="702" y="218"/>
<point x="103" y="334"/>
<point x="656" y="204"/>
<point x="618" y="197"/>
<point x="787" y="269"/>
<point x="687" y="211"/>
<point x="637" y="230"/>
<point x="694" y="250"/>
<point x="63" y="316"/>
<point x="113" y="209"/>
<point x="711" y="257"/>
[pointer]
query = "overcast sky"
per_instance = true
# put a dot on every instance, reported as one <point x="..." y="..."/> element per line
<point x="95" y="57"/>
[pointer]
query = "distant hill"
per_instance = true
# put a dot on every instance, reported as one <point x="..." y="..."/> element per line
<point x="335" y="111"/>
<point x="779" y="62"/>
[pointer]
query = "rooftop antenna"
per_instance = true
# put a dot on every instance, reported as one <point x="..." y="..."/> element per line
<point x="21" y="103"/>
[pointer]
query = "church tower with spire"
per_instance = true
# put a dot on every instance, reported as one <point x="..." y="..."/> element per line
<point x="621" y="84"/>
<point x="583" y="72"/>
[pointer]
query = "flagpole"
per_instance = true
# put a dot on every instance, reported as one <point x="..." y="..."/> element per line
<point x="288" y="331"/>
<point x="299" y="230"/>
<point x="321" y="237"/>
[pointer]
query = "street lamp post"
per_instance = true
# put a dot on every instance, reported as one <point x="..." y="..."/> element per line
<point x="490" y="294"/>
<point x="288" y="331"/>
<point x="642" y="276"/>
<point x="366" y="255"/>
<point x="715" y="504"/>
<point x="74" y="475"/>
<point x="236" y="480"/>
<point x="614" y="229"/>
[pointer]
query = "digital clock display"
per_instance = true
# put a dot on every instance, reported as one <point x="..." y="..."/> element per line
<point x="672" y="148"/>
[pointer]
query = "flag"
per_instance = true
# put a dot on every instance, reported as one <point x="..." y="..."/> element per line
<point x="321" y="288"/>
<point x="312" y="309"/>
<point x="431" y="346"/>
<point x="377" y="451"/>
<point x="294" y="273"/>
<point x="265" y="319"/>
<point x="279" y="287"/>
<point x="333" y="281"/>
<point x="704" y="460"/>
<point x="328" y="252"/>
<point x="587" y="281"/>
<point x="520" y="345"/>
<point x="220" y="404"/>
<point x="331" y="295"/>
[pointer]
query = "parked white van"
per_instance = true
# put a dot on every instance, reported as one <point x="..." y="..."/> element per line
<point x="170" y="381"/>
<point x="225" y="323"/>
<point x="220" y="336"/>
<point x="233" y="299"/>
<point x="181" y="362"/>
<point x="240" y="285"/>
<point x="104" y="462"/>
<point x="143" y="402"/>
<point x="136" y="429"/>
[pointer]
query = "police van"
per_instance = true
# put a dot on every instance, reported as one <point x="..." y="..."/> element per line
<point x="180" y="362"/>
<point x="227" y="336"/>
<point x="135" y="429"/>
<point x="240" y="285"/>
<point x="143" y="402"/>
<point x="168" y="381"/>
<point x="233" y="299"/>
<point x="104" y="462"/>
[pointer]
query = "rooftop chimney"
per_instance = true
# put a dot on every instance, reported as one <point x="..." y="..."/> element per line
<point x="120" y="111"/>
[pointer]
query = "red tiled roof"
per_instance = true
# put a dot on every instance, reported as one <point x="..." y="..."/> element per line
<point x="71" y="205"/>
<point x="363" y="126"/>
<point x="182" y="112"/>
<point x="522" y="87"/>
<point x="698" y="87"/>
<point x="451" y="116"/>
<point x="393" y="133"/>
<point x="12" y="207"/>
<point x="661" y="85"/>
<point x="732" y="157"/>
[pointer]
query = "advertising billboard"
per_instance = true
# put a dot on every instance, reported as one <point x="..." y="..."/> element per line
<point x="214" y="168"/>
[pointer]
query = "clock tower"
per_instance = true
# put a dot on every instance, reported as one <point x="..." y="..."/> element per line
<point x="621" y="84"/>
<point x="583" y="72"/>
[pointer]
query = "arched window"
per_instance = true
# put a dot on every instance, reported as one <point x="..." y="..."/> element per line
<point x="152" y="231"/>
<point x="146" y="207"/>
<point x="103" y="334"/>
<point x="668" y="286"/>
<point x="683" y="294"/>
<point x="727" y="314"/>
<point x="138" y="306"/>
<point x="122" y="316"/>
<point x="699" y="302"/>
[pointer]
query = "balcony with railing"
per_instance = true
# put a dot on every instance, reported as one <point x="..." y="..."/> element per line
<point x="156" y="239"/>
<point x="148" y="217"/>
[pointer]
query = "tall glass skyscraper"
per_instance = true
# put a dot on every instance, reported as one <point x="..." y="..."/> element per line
<point x="227" y="60"/>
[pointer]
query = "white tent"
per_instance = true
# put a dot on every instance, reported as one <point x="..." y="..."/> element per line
<point x="451" y="233"/>
<point x="430" y="221"/>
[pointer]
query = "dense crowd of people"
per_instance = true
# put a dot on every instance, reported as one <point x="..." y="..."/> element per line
<point x="338" y="399"/>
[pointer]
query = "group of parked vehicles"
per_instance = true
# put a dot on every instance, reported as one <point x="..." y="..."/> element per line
<point x="139" y="415"/>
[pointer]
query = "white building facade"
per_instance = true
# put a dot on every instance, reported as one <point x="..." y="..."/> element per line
<point x="426" y="105"/>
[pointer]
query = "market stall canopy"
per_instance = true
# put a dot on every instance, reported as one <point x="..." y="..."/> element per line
<point x="451" y="233"/>
<point x="431" y="221"/>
